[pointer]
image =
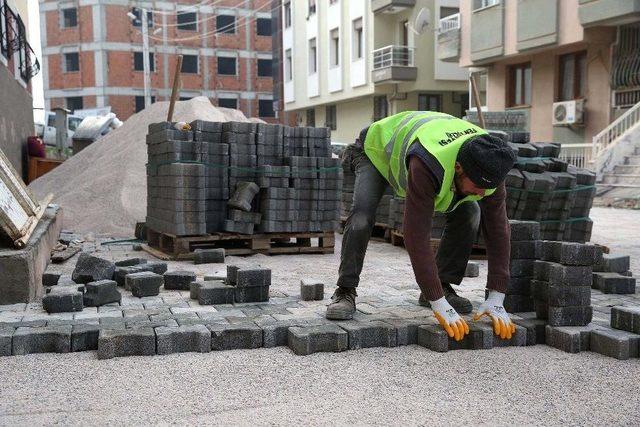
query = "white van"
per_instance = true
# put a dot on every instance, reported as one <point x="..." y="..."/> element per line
<point x="47" y="129"/>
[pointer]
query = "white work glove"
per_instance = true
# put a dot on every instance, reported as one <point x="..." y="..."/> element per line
<point x="494" y="308"/>
<point x="449" y="319"/>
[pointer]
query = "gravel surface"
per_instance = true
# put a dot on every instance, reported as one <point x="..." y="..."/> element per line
<point x="409" y="385"/>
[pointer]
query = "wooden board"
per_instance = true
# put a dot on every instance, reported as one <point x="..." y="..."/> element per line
<point x="62" y="256"/>
<point x="182" y="247"/>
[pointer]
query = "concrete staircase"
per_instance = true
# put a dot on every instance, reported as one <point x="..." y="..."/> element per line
<point x="627" y="174"/>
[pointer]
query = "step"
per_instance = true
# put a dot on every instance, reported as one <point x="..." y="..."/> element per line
<point x="618" y="178"/>
<point x="632" y="160"/>
<point x="627" y="169"/>
<point x="603" y="185"/>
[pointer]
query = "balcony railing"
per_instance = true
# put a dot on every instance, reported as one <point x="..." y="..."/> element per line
<point x="451" y="22"/>
<point x="578" y="155"/>
<point x="393" y="56"/>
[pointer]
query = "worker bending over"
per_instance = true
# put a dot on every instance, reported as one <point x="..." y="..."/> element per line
<point x="438" y="163"/>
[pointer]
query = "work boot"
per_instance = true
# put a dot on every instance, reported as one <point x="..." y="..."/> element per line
<point x="460" y="304"/>
<point x="343" y="304"/>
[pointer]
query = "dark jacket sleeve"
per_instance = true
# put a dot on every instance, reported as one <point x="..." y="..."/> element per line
<point x="497" y="237"/>
<point x="418" y="213"/>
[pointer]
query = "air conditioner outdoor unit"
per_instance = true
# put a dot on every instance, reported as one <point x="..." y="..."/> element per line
<point x="568" y="112"/>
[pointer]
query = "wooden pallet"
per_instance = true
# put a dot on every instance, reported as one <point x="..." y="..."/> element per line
<point x="182" y="247"/>
<point x="477" y="251"/>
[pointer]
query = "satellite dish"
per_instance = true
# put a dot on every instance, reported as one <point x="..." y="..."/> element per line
<point x="422" y="22"/>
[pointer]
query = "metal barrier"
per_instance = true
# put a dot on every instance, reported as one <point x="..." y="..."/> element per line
<point x="393" y="56"/>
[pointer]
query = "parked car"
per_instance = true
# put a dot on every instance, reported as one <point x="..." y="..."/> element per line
<point x="47" y="129"/>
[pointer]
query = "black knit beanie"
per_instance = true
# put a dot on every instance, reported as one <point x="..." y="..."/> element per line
<point x="486" y="160"/>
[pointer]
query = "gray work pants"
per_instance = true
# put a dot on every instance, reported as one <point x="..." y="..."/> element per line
<point x="455" y="247"/>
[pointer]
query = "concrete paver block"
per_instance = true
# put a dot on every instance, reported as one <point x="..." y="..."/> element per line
<point x="472" y="269"/>
<point x="179" y="280"/>
<point x="433" y="337"/>
<point x="50" y="279"/>
<point x="570" y="339"/>
<point x="369" y="334"/>
<point x="144" y="284"/>
<point x="614" y="283"/>
<point x="311" y="290"/>
<point x="49" y="339"/>
<point x="215" y="292"/>
<point x="524" y="230"/>
<point x="626" y="318"/>
<point x="100" y="293"/>
<point x="536" y="330"/>
<point x="235" y="336"/>
<point x="126" y="342"/>
<point x="621" y="345"/>
<point x="196" y="338"/>
<point x="84" y="337"/>
<point x="307" y="340"/>
<point x="6" y="335"/>
<point x="130" y="262"/>
<point x="90" y="268"/>
<point x="62" y="299"/>
<point x="209" y="256"/>
<point x="613" y="263"/>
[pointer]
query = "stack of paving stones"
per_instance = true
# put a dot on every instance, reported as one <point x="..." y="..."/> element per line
<point x="612" y="276"/>
<point x="396" y="214"/>
<point x="192" y="174"/>
<point x="562" y="282"/>
<point x="240" y="286"/>
<point x="525" y="249"/>
<point x="348" y="183"/>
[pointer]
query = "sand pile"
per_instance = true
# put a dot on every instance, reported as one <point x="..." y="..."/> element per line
<point x="103" y="189"/>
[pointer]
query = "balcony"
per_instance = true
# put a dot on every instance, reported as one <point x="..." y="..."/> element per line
<point x="608" y="12"/>
<point x="392" y="64"/>
<point x="391" y="6"/>
<point x="449" y="38"/>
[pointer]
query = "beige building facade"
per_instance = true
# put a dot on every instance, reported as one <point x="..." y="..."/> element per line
<point x="348" y="63"/>
<point x="537" y="53"/>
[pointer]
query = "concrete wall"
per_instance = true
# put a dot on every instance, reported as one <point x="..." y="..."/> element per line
<point x="16" y="120"/>
<point x="487" y="27"/>
<point x="599" y="12"/>
<point x="537" y="23"/>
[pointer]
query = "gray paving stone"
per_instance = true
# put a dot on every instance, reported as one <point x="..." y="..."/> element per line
<point x="569" y="316"/>
<point x="472" y="269"/>
<point x="235" y="336"/>
<point x="251" y="294"/>
<point x="563" y="296"/>
<point x="626" y="318"/>
<point x="621" y="345"/>
<point x="276" y="333"/>
<point x="54" y="339"/>
<point x="144" y="284"/>
<point x="406" y="329"/>
<point x="305" y="340"/>
<point x="90" y="268"/>
<point x="369" y="334"/>
<point x="84" y="337"/>
<point x="579" y="254"/>
<point x="62" y="300"/>
<point x="208" y="256"/>
<point x="215" y="292"/>
<point x="178" y="280"/>
<point x="311" y="290"/>
<point x="518" y="339"/>
<point x="157" y="267"/>
<point x="525" y="249"/>
<point x="50" y="279"/>
<point x="613" y="263"/>
<point x="195" y="338"/>
<point x="100" y="293"/>
<point x="614" y="283"/>
<point x="130" y="262"/>
<point x="254" y="277"/>
<point x="536" y="330"/>
<point x="570" y="339"/>
<point x="6" y="335"/>
<point x="127" y="342"/>
<point x="524" y="230"/>
<point x="433" y="337"/>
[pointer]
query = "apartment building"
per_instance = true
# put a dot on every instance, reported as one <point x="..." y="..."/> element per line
<point x="348" y="63"/>
<point x="546" y="59"/>
<point x="93" y="53"/>
<point x="18" y="65"/>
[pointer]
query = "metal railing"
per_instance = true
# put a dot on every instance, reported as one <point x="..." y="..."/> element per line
<point x="451" y="22"/>
<point x="609" y="135"/>
<point x="393" y="56"/>
<point x="578" y="155"/>
<point x="625" y="98"/>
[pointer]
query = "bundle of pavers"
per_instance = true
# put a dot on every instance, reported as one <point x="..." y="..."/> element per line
<point x="240" y="286"/>
<point x="525" y="249"/>
<point x="192" y="174"/>
<point x="562" y="282"/>
<point x="612" y="276"/>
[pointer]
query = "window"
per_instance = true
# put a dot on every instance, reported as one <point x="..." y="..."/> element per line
<point x="264" y="68"/>
<point x="226" y="66"/>
<point x="481" y="4"/>
<point x="138" y="63"/>
<point x="228" y="103"/>
<point x="312" y="8"/>
<point x="519" y="85"/>
<point x="187" y="21"/>
<point x="572" y="76"/>
<point x="71" y="62"/>
<point x="69" y="17"/>
<point x="74" y="103"/>
<point x="429" y="102"/>
<point x="140" y="102"/>
<point x="74" y="122"/>
<point x="265" y="108"/>
<point x="330" y="120"/>
<point x="185" y="98"/>
<point x="311" y="117"/>
<point x="189" y="64"/>
<point x="357" y="46"/>
<point x="226" y="24"/>
<point x="287" y="14"/>
<point x="380" y="107"/>
<point x="334" y="48"/>
<point x="288" y="66"/>
<point x="137" y="22"/>
<point x="448" y="11"/>
<point x="263" y="26"/>
<point x="313" y="61"/>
